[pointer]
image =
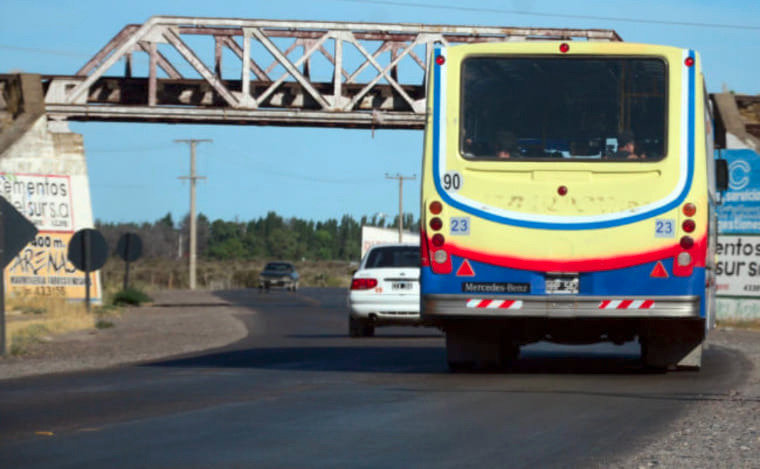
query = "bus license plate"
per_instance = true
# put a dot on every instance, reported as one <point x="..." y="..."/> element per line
<point x="401" y="286"/>
<point x="562" y="285"/>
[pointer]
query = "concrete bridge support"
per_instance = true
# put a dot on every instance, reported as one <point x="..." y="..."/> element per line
<point x="43" y="174"/>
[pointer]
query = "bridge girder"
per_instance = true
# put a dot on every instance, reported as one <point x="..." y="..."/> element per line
<point x="310" y="73"/>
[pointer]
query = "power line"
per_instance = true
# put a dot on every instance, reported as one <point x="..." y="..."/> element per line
<point x="129" y="149"/>
<point x="552" y="15"/>
<point x="44" y="51"/>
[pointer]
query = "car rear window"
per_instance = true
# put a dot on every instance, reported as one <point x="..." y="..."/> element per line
<point x="278" y="267"/>
<point x="393" y="256"/>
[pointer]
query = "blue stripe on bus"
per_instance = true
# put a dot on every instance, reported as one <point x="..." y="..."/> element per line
<point x="632" y="281"/>
<point x="570" y="225"/>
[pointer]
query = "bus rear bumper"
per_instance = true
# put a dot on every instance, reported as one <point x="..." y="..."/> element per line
<point x="495" y="306"/>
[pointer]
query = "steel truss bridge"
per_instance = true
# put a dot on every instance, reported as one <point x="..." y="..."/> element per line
<point x="266" y="72"/>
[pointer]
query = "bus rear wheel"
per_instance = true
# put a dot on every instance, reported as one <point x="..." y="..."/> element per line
<point x="479" y="350"/>
<point x="658" y="355"/>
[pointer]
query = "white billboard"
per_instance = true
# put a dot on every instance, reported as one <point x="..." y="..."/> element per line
<point x="738" y="268"/>
<point x="372" y="236"/>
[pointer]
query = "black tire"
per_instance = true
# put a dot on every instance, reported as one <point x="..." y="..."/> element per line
<point x="358" y="327"/>
<point x="355" y="328"/>
<point x="461" y="367"/>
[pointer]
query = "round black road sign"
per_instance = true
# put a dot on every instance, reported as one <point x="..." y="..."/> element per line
<point x="88" y="250"/>
<point x="129" y="247"/>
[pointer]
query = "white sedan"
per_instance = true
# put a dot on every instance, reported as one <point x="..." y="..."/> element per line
<point x="385" y="290"/>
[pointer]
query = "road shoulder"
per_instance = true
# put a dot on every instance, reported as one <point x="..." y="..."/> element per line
<point x="178" y="322"/>
<point x="718" y="430"/>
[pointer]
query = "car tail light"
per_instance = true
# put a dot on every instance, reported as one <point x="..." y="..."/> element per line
<point x="363" y="283"/>
<point x="688" y="225"/>
<point x="687" y="242"/>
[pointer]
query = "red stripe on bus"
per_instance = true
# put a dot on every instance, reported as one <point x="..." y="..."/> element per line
<point x="625" y="304"/>
<point x="595" y="264"/>
<point x="647" y="304"/>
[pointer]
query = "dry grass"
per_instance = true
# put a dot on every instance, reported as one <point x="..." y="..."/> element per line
<point x="32" y="320"/>
<point x="748" y="324"/>
<point x="159" y="274"/>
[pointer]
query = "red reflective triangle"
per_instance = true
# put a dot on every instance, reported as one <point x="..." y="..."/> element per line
<point x="659" y="271"/>
<point x="465" y="270"/>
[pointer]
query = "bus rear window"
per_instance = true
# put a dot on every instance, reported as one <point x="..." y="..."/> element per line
<point x="584" y="108"/>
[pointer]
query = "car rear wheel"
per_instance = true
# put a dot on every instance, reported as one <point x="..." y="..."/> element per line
<point x="358" y="327"/>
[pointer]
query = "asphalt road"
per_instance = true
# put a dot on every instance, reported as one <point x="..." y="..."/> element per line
<point x="299" y="393"/>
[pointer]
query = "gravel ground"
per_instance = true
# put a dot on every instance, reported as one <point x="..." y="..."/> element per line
<point x="140" y="334"/>
<point x="720" y="433"/>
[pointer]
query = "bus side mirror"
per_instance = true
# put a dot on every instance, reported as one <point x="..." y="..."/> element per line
<point x="721" y="175"/>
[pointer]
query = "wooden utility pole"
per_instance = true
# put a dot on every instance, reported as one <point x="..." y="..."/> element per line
<point x="400" y="200"/>
<point x="192" y="177"/>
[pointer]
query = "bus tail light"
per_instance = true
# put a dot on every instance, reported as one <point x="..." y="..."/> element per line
<point x="687" y="242"/>
<point x="424" y="248"/>
<point x="688" y="225"/>
<point x="683" y="259"/>
<point x="440" y="256"/>
<point x="689" y="209"/>
<point x="438" y="240"/>
<point x="435" y="207"/>
<point x="436" y="223"/>
<point x="363" y="283"/>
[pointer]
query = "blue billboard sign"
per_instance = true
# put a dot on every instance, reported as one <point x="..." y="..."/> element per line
<point x="739" y="212"/>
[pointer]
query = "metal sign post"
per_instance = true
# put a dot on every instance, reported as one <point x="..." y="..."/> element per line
<point x="2" y="286"/>
<point x="87" y="261"/>
<point x="15" y="232"/>
<point x="129" y="248"/>
<point x="87" y="251"/>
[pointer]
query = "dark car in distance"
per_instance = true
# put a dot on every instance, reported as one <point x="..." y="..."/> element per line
<point x="279" y="274"/>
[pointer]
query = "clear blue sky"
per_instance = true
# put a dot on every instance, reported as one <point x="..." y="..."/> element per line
<point x="321" y="173"/>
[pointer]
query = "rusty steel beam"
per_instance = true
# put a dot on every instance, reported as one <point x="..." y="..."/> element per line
<point x="299" y="118"/>
<point x="464" y="34"/>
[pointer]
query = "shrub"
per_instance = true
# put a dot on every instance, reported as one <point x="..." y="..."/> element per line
<point x="131" y="296"/>
<point x="103" y="324"/>
<point x="26" y="337"/>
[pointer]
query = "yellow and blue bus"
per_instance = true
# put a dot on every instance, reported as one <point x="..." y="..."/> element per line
<point x="568" y="195"/>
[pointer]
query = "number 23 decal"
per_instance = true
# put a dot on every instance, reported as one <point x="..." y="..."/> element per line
<point x="460" y="225"/>
<point x="664" y="228"/>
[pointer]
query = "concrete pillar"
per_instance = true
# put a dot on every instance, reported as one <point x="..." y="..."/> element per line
<point x="43" y="173"/>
